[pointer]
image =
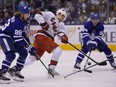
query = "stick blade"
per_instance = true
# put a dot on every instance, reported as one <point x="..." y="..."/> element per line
<point x="89" y="71"/>
<point x="103" y="63"/>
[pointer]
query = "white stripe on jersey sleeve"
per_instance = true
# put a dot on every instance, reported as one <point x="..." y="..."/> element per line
<point x="6" y="44"/>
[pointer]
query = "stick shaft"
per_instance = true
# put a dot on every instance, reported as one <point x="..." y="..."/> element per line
<point x="44" y="65"/>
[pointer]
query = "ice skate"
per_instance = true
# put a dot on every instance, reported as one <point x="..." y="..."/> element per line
<point x="53" y="72"/>
<point x="113" y="64"/>
<point x="77" y="66"/>
<point x="16" y="74"/>
<point x="4" y="79"/>
<point x="11" y="71"/>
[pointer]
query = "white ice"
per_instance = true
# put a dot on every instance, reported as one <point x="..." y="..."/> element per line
<point x="36" y="74"/>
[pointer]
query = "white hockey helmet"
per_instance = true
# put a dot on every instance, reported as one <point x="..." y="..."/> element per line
<point x="63" y="12"/>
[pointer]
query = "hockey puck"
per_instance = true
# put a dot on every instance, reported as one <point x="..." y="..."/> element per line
<point x="89" y="63"/>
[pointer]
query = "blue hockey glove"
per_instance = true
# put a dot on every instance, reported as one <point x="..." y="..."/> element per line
<point x="31" y="50"/>
<point x="91" y="45"/>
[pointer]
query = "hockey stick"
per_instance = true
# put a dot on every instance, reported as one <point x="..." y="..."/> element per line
<point x="85" y="68"/>
<point x="80" y="70"/>
<point x="109" y="59"/>
<point x="96" y="64"/>
<point x="89" y="71"/>
<point x="44" y="65"/>
<point x="101" y="63"/>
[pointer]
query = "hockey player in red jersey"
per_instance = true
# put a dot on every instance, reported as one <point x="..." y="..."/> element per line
<point x="51" y="25"/>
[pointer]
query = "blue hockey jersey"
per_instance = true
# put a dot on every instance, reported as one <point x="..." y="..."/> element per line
<point x="15" y="28"/>
<point x="89" y="29"/>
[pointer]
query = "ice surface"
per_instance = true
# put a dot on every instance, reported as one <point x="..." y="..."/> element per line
<point x="36" y="74"/>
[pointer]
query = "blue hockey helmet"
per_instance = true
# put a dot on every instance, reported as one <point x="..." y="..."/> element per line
<point x="94" y="16"/>
<point x="24" y="10"/>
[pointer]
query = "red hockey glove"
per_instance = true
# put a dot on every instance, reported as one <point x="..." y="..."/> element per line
<point x="64" y="39"/>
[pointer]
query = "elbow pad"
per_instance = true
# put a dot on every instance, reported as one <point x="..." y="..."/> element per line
<point x="44" y="26"/>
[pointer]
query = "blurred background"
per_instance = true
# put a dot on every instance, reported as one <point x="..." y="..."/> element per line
<point x="78" y="10"/>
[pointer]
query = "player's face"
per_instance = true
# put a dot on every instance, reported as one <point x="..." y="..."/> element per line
<point x="60" y="17"/>
<point x="26" y="16"/>
<point x="95" y="21"/>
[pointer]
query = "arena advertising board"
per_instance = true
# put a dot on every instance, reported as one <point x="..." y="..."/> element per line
<point x="74" y="35"/>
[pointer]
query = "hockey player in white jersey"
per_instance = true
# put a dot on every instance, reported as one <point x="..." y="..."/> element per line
<point x="51" y="25"/>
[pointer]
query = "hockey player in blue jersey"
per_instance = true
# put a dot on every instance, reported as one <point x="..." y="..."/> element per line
<point x="12" y="40"/>
<point x="92" y="39"/>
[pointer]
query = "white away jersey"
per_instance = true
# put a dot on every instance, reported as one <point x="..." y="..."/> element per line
<point x="52" y="21"/>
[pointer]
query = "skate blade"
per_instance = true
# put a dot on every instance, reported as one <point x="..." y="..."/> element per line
<point x="18" y="79"/>
<point x="75" y="70"/>
<point x="4" y="82"/>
